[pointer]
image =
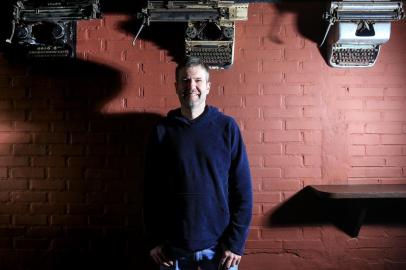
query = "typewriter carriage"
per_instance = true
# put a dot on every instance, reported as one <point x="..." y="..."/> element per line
<point x="47" y="29"/>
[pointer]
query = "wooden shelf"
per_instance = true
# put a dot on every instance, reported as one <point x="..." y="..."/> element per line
<point x="348" y="204"/>
<point x="360" y="191"/>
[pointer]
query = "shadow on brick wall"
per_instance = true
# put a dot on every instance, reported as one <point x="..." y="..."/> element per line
<point x="309" y="20"/>
<point x="81" y="203"/>
<point x="305" y="208"/>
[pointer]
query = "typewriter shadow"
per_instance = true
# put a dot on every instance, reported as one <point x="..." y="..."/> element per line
<point x="167" y="36"/>
<point x="309" y="18"/>
<point x="95" y="166"/>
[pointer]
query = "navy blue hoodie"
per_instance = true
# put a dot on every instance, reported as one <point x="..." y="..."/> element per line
<point x="198" y="183"/>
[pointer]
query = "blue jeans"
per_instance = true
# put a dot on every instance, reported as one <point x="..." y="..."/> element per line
<point x="207" y="259"/>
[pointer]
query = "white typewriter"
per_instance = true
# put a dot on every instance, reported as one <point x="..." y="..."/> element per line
<point x="357" y="29"/>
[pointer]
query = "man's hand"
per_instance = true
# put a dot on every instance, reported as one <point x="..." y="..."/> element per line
<point x="159" y="256"/>
<point x="229" y="260"/>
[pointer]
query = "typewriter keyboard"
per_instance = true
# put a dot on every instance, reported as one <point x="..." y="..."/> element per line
<point x="213" y="56"/>
<point x="354" y="56"/>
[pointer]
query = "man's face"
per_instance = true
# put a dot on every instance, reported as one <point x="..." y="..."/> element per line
<point x="192" y="87"/>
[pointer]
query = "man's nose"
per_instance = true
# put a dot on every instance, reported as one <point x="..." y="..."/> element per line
<point x="191" y="84"/>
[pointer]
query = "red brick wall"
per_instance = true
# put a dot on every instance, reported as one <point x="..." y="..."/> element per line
<point x="72" y="142"/>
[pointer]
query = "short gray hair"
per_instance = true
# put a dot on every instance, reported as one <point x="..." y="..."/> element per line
<point x="192" y="62"/>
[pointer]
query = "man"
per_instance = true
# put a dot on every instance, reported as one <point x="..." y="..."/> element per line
<point x="198" y="199"/>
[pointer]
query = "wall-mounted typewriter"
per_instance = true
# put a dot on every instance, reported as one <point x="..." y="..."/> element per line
<point x="210" y="26"/>
<point x="47" y="29"/>
<point x="357" y="29"/>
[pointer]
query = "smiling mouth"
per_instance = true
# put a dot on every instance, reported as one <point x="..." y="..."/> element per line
<point x="186" y="94"/>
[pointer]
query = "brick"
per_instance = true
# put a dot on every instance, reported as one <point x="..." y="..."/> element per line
<point x="6" y="126"/>
<point x="384" y="104"/>
<point x="237" y="88"/>
<point x="66" y="150"/>
<point x="65" y="197"/>
<point x="313" y="137"/>
<point x="264" y="149"/>
<point x="252" y="137"/>
<point x="3" y="173"/>
<point x="27" y="172"/>
<point x="68" y="220"/>
<point x="384" y="128"/>
<point x="301" y="54"/>
<point x="349" y="104"/>
<point x="29" y="149"/>
<point x="303" y="124"/>
<point x="303" y="149"/>
<point x="396" y="161"/>
<point x="14" y="161"/>
<point x="243" y="113"/>
<point x="50" y="138"/>
<point x="282" y="113"/>
<point x="48" y="161"/>
<point x="362" y="116"/>
<point x="28" y="196"/>
<point x="394" y="92"/>
<point x="102" y="174"/>
<point x="263" y="125"/>
<point x="281" y="234"/>
<point x="268" y="244"/>
<point x="283" y="161"/>
<point x="34" y="244"/>
<point x="375" y="172"/>
<point x="356" y="128"/>
<point x="30" y="220"/>
<point x="264" y="101"/>
<point x="312" y="160"/>
<point x="268" y="197"/>
<point x="14" y="208"/>
<point x="225" y="101"/>
<point x="366" y="92"/>
<point x="92" y="162"/>
<point x="302" y="101"/>
<point x="13" y="184"/>
<point x="386" y="150"/>
<point x="302" y="172"/>
<point x="31" y="126"/>
<point x="303" y="244"/>
<point x="4" y="196"/>
<point x="44" y="184"/>
<point x="367" y="161"/>
<point x="393" y="139"/>
<point x="15" y="137"/>
<point x="282" y="136"/>
<point x="364" y="139"/>
<point x="12" y="115"/>
<point x="69" y="126"/>
<point x="65" y="173"/>
<point x="266" y="172"/>
<point x="391" y="116"/>
<point x="252" y="77"/>
<point x="85" y="209"/>
<point x="281" y="185"/>
<point x="46" y="115"/>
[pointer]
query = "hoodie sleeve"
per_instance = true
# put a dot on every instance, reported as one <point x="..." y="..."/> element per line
<point x="152" y="192"/>
<point x="240" y="194"/>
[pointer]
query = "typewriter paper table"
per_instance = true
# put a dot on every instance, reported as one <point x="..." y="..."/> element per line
<point x="357" y="197"/>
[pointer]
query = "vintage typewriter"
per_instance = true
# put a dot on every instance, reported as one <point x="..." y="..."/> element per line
<point x="210" y="26"/>
<point x="357" y="29"/>
<point x="47" y="29"/>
